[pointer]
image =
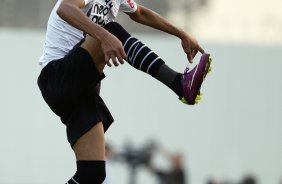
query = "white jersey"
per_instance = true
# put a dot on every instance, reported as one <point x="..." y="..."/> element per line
<point x="61" y="36"/>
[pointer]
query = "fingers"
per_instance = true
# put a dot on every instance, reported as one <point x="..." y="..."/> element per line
<point x="107" y="60"/>
<point x="115" y="57"/>
<point x="122" y="56"/>
<point x="113" y="50"/>
<point x="190" y="57"/>
<point x="194" y="53"/>
<point x="120" y="59"/>
<point x="192" y="50"/>
<point x="201" y="50"/>
<point x="114" y="60"/>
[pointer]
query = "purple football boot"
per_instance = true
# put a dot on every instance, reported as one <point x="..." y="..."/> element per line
<point x="192" y="80"/>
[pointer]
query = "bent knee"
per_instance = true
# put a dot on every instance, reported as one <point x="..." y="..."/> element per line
<point x="93" y="47"/>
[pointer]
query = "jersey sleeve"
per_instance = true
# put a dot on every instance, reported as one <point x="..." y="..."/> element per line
<point x="87" y="1"/>
<point x="128" y="6"/>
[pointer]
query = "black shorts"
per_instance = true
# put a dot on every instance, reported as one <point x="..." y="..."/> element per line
<point x="68" y="86"/>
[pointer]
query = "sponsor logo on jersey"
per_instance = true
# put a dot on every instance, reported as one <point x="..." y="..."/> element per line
<point x="103" y="11"/>
<point x="100" y="12"/>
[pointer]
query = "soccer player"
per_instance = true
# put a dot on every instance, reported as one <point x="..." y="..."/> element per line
<point x="81" y="39"/>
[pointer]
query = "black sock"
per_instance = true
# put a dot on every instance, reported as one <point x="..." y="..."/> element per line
<point x="89" y="172"/>
<point x="143" y="58"/>
<point x="170" y="78"/>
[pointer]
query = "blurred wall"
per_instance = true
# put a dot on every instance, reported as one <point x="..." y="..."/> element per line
<point x="25" y="13"/>
<point x="34" y="13"/>
<point x="217" y="21"/>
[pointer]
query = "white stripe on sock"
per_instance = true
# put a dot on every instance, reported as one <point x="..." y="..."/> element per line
<point x="152" y="64"/>
<point x="133" y="53"/>
<point x="128" y="57"/>
<point x="127" y="41"/>
<point x="133" y="45"/>
<point x="137" y="54"/>
<point x="144" y="59"/>
<point x="74" y="181"/>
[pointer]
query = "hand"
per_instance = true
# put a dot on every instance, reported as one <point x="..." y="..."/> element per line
<point x="190" y="47"/>
<point x="112" y="49"/>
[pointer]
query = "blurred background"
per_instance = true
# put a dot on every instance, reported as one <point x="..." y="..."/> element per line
<point x="233" y="136"/>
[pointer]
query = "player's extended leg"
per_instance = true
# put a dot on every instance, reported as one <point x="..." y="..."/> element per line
<point x="90" y="148"/>
<point x="186" y="86"/>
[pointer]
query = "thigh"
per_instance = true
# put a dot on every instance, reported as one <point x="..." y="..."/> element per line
<point x="93" y="47"/>
<point x="91" y="145"/>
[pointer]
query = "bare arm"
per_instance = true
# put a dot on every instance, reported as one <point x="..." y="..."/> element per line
<point x="150" y="18"/>
<point x="69" y="10"/>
